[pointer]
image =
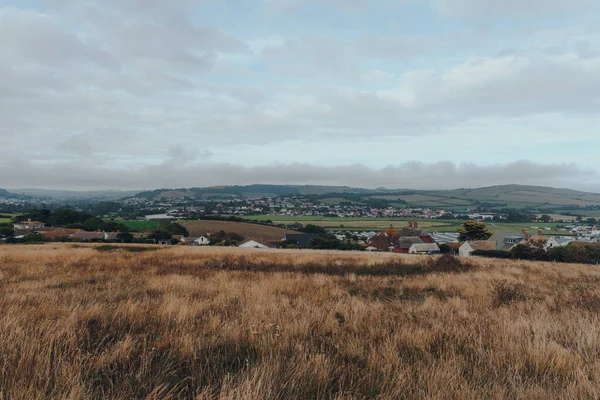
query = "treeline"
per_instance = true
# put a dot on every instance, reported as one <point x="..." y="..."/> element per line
<point x="69" y="218"/>
<point x="573" y="253"/>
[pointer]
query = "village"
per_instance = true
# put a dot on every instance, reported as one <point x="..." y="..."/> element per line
<point x="410" y="239"/>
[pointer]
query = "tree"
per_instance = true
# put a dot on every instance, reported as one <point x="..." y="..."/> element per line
<point x="546" y="218"/>
<point x="92" y="224"/>
<point x="312" y="229"/>
<point x="174" y="228"/>
<point x="125" y="237"/>
<point x="160" y="234"/>
<point x="473" y="230"/>
<point x="6" y="231"/>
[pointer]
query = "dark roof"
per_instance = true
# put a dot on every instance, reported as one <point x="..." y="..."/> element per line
<point x="303" y="239"/>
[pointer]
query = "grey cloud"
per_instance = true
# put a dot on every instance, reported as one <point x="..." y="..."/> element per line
<point x="443" y="175"/>
<point x="512" y="8"/>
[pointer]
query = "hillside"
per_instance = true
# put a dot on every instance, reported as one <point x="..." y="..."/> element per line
<point x="494" y="197"/>
<point x="263" y="233"/>
<point x="252" y="191"/>
<point x="223" y="323"/>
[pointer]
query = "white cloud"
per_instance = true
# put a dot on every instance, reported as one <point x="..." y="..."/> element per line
<point x="126" y="84"/>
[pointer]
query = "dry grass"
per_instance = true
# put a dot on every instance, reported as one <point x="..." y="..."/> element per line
<point x="246" y="324"/>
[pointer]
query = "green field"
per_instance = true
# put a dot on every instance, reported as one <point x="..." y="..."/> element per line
<point x="4" y="220"/>
<point x="430" y="225"/>
<point x="141" y="225"/>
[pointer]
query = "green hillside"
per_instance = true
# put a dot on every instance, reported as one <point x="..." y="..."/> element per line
<point x="491" y="198"/>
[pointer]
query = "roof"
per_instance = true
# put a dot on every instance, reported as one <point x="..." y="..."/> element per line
<point x="584" y="244"/>
<point x="406" y="242"/>
<point x="58" y="233"/>
<point x="423" y="247"/>
<point x="250" y="243"/>
<point x="483" y="244"/>
<point x="30" y="223"/>
<point x="88" y="235"/>
<point x="303" y="239"/>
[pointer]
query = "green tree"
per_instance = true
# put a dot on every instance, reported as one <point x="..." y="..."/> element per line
<point x="310" y="228"/>
<point x="6" y="231"/>
<point x="473" y="230"/>
<point x="546" y="218"/>
<point x="92" y="224"/>
<point x="125" y="237"/>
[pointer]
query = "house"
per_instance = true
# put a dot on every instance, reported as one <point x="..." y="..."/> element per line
<point x="385" y="240"/>
<point x="302" y="239"/>
<point x="424" y="248"/>
<point x="252" y="244"/>
<point x="88" y="236"/>
<point x="57" y="233"/>
<point x="506" y="241"/>
<point x="542" y="241"/>
<point x="197" y="241"/>
<point x="467" y="248"/>
<point x="403" y="244"/>
<point x="28" y="225"/>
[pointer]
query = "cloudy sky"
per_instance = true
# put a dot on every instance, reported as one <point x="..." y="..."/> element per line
<point x="136" y="94"/>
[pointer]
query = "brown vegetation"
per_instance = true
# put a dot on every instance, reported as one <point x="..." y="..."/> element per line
<point x="263" y="233"/>
<point x="251" y="324"/>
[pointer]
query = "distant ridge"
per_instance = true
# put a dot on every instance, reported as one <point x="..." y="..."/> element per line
<point x="491" y="197"/>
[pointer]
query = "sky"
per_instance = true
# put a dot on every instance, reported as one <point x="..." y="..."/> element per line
<point x="423" y="94"/>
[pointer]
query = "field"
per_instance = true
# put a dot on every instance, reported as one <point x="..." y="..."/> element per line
<point x="262" y="233"/>
<point x="429" y="225"/>
<point x="4" y="219"/>
<point x="141" y="225"/>
<point x="208" y="323"/>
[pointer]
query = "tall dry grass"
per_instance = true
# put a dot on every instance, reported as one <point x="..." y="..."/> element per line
<point x="234" y="324"/>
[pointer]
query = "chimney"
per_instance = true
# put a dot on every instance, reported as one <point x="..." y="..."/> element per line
<point x="526" y="233"/>
<point x="29" y="220"/>
<point x="540" y="233"/>
<point x="416" y="225"/>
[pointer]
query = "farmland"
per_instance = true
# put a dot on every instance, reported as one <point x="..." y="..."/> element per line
<point x="212" y="323"/>
<point x="437" y="225"/>
<point x="5" y="218"/>
<point x="263" y="233"/>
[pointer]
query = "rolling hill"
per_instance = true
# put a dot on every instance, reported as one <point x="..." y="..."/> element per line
<point x="493" y="197"/>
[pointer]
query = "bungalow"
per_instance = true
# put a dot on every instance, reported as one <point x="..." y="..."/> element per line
<point x="404" y="244"/>
<point x="88" y="236"/>
<point x="252" y="244"/>
<point x="542" y="241"/>
<point x="28" y="225"/>
<point x="424" y="248"/>
<point x="58" y="233"/>
<point x="467" y="248"/>
<point x="302" y="239"/>
<point x="197" y="241"/>
<point x="506" y="241"/>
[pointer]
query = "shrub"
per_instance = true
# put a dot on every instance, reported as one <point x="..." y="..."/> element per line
<point x="493" y="254"/>
<point x="505" y="293"/>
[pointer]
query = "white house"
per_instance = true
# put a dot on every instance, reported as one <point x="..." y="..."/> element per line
<point x="467" y="248"/>
<point x="424" y="248"/>
<point x="252" y="244"/>
<point x="198" y="241"/>
<point x="28" y="225"/>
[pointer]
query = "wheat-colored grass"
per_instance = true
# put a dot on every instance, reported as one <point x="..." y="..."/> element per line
<point x="217" y="323"/>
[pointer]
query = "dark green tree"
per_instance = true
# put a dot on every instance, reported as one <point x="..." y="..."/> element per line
<point x="473" y="230"/>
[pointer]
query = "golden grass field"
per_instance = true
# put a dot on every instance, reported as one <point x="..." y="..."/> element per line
<point x="222" y="323"/>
